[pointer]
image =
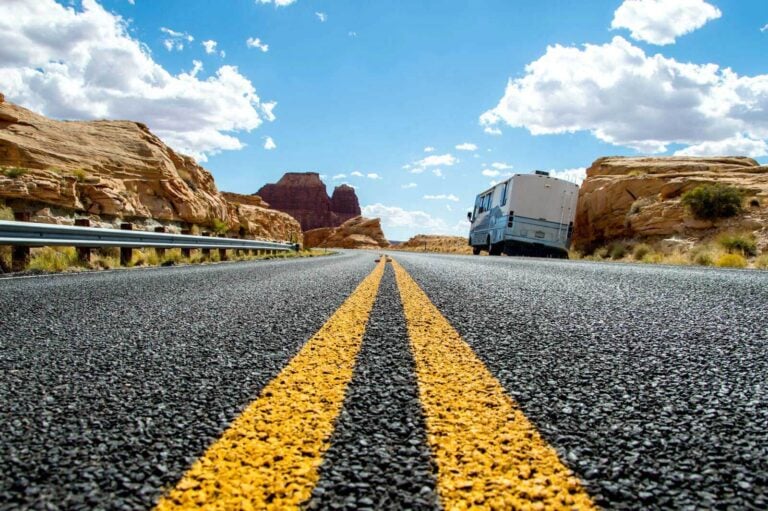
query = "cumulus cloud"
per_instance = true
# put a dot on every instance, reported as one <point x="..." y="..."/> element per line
<point x="625" y="97"/>
<point x="339" y="176"/>
<point x="764" y="29"/>
<point x="373" y="175"/>
<point x="738" y="145"/>
<point x="662" y="21"/>
<point x="490" y="173"/>
<point x="500" y="165"/>
<point x="255" y="42"/>
<point x="417" y="221"/>
<point x="429" y="149"/>
<point x="437" y="160"/>
<point x="210" y="46"/>
<point x="278" y="3"/>
<point x="466" y="146"/>
<point x="321" y="16"/>
<point x="356" y="174"/>
<point x="409" y="185"/>
<point x="575" y="175"/>
<point x="82" y="64"/>
<point x="269" y="144"/>
<point x="492" y="130"/>
<point x="174" y="40"/>
<point x="442" y="196"/>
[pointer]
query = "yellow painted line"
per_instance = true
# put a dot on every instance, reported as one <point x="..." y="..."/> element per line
<point x="269" y="457"/>
<point x="489" y="455"/>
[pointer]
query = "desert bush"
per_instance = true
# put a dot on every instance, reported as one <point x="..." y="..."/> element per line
<point x="641" y="251"/>
<point x="80" y="175"/>
<point x="600" y="253"/>
<point x="743" y="243"/>
<point x="708" y="202"/>
<point x="219" y="226"/>
<point x="703" y="258"/>
<point x="53" y="259"/>
<point x="676" y="258"/>
<point x="14" y="172"/>
<point x="652" y="258"/>
<point x="762" y="262"/>
<point x="731" y="261"/>
<point x="145" y="257"/>
<point x="617" y="250"/>
<point x="575" y="254"/>
<point x="639" y="204"/>
<point x="6" y="213"/>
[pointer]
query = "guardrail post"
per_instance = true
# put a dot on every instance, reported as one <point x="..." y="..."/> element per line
<point x="20" y="255"/>
<point x="160" y="251"/>
<point x="222" y="254"/>
<point x="186" y="251"/>
<point x="207" y="251"/>
<point x="126" y="253"/>
<point x="83" y="253"/>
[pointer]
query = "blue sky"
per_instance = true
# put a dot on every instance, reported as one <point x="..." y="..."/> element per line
<point x="366" y="89"/>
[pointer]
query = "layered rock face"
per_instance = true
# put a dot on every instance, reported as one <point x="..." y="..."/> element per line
<point x="112" y="171"/>
<point x="639" y="197"/>
<point x="358" y="232"/>
<point x="303" y="196"/>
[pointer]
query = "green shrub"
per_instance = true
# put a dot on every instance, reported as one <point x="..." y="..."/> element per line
<point x="640" y="251"/>
<point x="219" y="226"/>
<point x="80" y="175"/>
<point x="14" y="172"/>
<point x="742" y="243"/>
<point x="703" y="258"/>
<point x="709" y="202"/>
<point x="731" y="261"/>
<point x="617" y="250"/>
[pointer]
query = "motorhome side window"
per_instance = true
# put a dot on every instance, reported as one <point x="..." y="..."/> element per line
<point x="504" y="194"/>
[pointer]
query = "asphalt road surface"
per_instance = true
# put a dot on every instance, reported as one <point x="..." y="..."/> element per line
<point x="563" y="383"/>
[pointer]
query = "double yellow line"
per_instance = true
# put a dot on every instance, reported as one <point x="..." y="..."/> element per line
<point x="489" y="456"/>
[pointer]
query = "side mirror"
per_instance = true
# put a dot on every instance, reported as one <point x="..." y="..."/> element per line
<point x="469" y="216"/>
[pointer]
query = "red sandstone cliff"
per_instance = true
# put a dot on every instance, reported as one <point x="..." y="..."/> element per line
<point x="304" y="197"/>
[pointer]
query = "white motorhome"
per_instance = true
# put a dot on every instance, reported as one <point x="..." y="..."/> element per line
<point x="528" y="214"/>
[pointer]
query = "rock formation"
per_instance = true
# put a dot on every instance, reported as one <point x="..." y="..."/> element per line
<point x="113" y="171"/>
<point x="357" y="232"/>
<point x="639" y="197"/>
<point x="436" y="243"/>
<point x="304" y="197"/>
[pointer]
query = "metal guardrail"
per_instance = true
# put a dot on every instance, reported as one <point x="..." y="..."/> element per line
<point x="22" y="235"/>
<point x="33" y="234"/>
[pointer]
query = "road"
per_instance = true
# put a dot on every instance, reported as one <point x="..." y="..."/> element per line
<point x="432" y="381"/>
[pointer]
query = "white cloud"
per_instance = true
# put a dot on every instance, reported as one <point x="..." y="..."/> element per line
<point x="132" y="2"/>
<point x="429" y="149"/>
<point x="356" y="174"/>
<point x="321" y="16"/>
<point x="82" y="64"/>
<point x="739" y="145"/>
<point x="210" y="46"/>
<point x="662" y="21"/>
<point x="764" y="29"/>
<point x="442" y="196"/>
<point x="437" y="160"/>
<point x="175" y="40"/>
<point x="339" y="176"/>
<point x="466" y="146"/>
<point x="269" y="144"/>
<point x="373" y="175"/>
<point x="255" y="42"/>
<point x="624" y="97"/>
<point x="352" y="34"/>
<point x="492" y="130"/>
<point x="437" y="172"/>
<point x="408" y="186"/>
<point x="500" y="165"/>
<point x="490" y="173"/>
<point x="278" y="3"/>
<point x="575" y="175"/>
<point x="393" y="217"/>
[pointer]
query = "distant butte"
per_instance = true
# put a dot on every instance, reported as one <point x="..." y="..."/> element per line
<point x="303" y="196"/>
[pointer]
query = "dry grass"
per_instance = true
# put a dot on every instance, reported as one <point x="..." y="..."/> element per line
<point x="435" y="244"/>
<point x="54" y="259"/>
<point x="731" y="261"/>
